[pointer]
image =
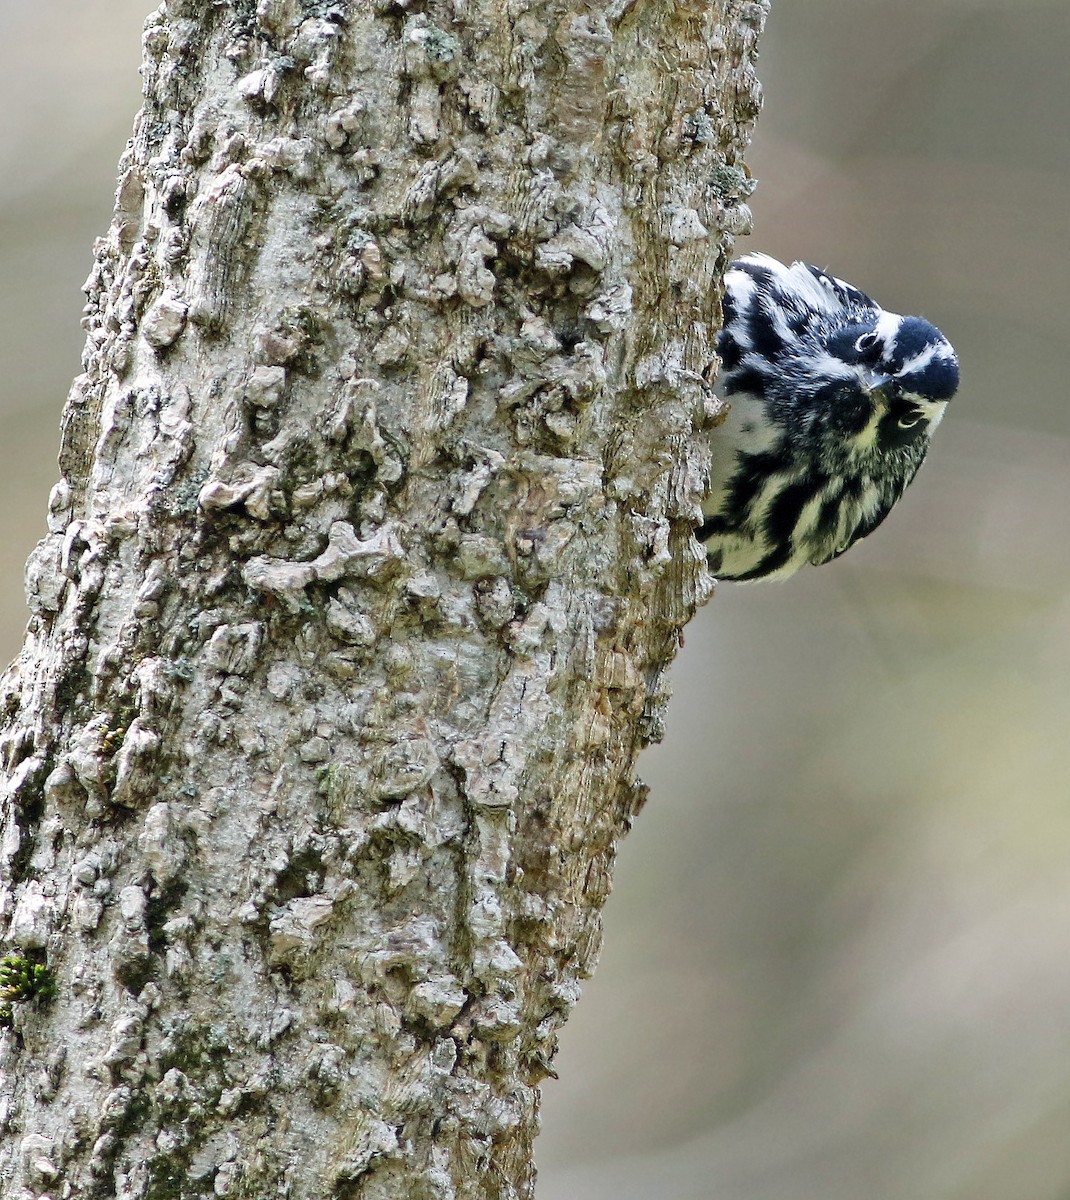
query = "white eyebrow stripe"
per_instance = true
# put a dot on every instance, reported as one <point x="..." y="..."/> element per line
<point x="924" y="359"/>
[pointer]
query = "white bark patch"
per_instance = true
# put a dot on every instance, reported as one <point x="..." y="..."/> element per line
<point x="159" y="843"/>
<point x="234" y="649"/>
<point x="346" y="555"/>
<point x="293" y="930"/>
<point x="220" y="222"/>
<point x="32" y="920"/>
<point x="437" y="1001"/>
<point x="684" y="226"/>
<point x="134" y="764"/>
<point x="164" y="321"/>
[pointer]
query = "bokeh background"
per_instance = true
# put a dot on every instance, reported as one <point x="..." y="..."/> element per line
<point x="836" y="962"/>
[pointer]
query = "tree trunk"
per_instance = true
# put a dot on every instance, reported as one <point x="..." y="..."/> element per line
<point x="372" y="542"/>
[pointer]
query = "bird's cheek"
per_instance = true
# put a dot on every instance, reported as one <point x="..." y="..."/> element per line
<point x="934" y="412"/>
<point x="863" y="436"/>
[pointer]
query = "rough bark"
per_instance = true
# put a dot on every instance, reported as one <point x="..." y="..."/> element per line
<point x="372" y="541"/>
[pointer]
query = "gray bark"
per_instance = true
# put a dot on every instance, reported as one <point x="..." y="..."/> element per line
<point x="372" y="541"/>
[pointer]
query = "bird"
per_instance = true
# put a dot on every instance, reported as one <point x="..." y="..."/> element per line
<point x="833" y="402"/>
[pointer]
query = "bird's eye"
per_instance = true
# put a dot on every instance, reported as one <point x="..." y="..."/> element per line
<point x="866" y="343"/>
<point x="909" y="420"/>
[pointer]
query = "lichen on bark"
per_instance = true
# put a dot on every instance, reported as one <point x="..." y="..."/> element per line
<point x="371" y="546"/>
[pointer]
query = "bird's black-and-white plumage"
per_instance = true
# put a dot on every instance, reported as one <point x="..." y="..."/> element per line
<point x="833" y="402"/>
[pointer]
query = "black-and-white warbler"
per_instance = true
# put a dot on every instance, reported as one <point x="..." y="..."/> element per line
<point x="833" y="402"/>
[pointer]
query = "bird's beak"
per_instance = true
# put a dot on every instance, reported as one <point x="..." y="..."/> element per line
<point x="880" y="385"/>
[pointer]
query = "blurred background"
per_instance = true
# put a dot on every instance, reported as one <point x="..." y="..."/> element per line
<point x="836" y="962"/>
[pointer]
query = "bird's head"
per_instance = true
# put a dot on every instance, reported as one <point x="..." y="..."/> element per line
<point x="906" y="367"/>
